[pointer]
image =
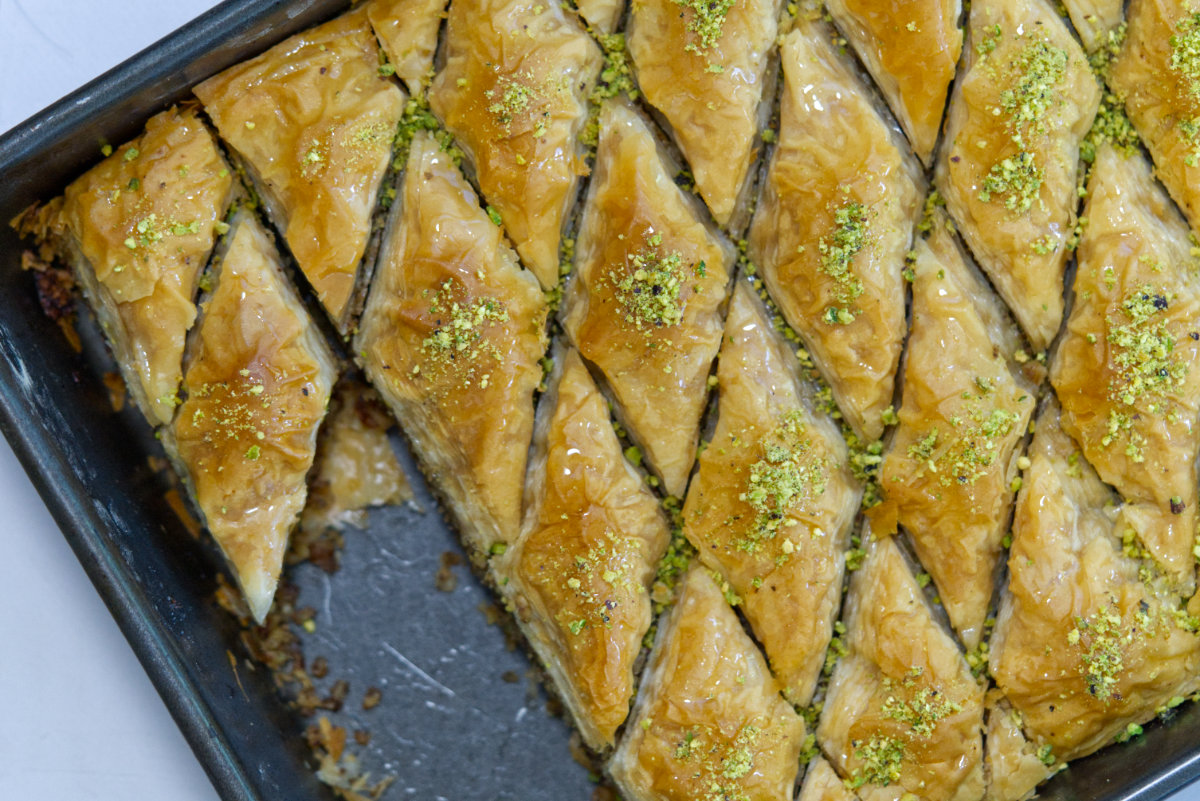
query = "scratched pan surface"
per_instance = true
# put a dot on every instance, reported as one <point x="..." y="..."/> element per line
<point x="452" y="724"/>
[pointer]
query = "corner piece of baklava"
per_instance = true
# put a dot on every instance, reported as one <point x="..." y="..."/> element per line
<point x="709" y="721"/>
<point x="645" y="305"/>
<point x="773" y="502"/>
<point x="138" y="230"/>
<point x="514" y="93"/>
<point x="312" y="122"/>
<point x="903" y="713"/>
<point x="257" y="384"/>
<point x="579" y="577"/>
<point x="1023" y="102"/>
<point x="452" y="337"/>
<point x="408" y="33"/>
<point x="834" y="221"/>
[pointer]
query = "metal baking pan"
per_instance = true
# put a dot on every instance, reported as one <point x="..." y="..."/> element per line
<point x="459" y="717"/>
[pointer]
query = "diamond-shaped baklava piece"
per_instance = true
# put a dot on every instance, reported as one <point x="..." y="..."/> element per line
<point x="312" y="122"/>
<point x="513" y="93"/>
<point x="258" y="380"/>
<point x="579" y="576"/>
<point x="408" y="32"/>
<point x="452" y="337"/>
<point x="1024" y="101"/>
<point x="773" y="502"/>
<point x="138" y="229"/>
<point x="834" y="223"/>
<point x="1127" y="368"/>
<point x="903" y="714"/>
<point x="966" y="404"/>
<point x="645" y="305"/>
<point x="709" y="720"/>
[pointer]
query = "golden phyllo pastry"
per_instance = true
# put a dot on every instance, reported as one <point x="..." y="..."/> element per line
<point x="821" y="783"/>
<point x="834" y="222"/>
<point x="138" y="229"/>
<point x="1088" y="642"/>
<point x="772" y="504"/>
<point x="257" y="384"/>
<point x="513" y="92"/>
<point x="911" y="48"/>
<point x="580" y="575"/>
<point x="1095" y="20"/>
<point x="602" y="16"/>
<point x="903" y="713"/>
<point x="1013" y="765"/>
<point x="709" y="720"/>
<point x="452" y="337"/>
<point x="1127" y="368"/>
<point x="704" y="66"/>
<point x="966" y="404"/>
<point x="408" y="31"/>
<point x="645" y="305"/>
<point x="312" y="121"/>
<point x="1007" y="169"/>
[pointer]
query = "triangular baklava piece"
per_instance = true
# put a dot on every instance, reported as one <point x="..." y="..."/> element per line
<point x="834" y="222"/>
<point x="1127" y="368"/>
<point x="773" y="502"/>
<point x="514" y="94"/>
<point x="1024" y="101"/>
<point x="138" y="229"/>
<point x="1087" y="641"/>
<point x="966" y="404"/>
<point x="312" y="121"/>
<point x="903" y="714"/>
<point x="645" y="305"/>
<point x="709" y="720"/>
<point x="258" y="380"/>
<point x="1094" y="20"/>
<point x="703" y="65"/>
<point x="408" y="32"/>
<point x="911" y="48"/>
<point x="452" y="337"/>
<point x="579" y="576"/>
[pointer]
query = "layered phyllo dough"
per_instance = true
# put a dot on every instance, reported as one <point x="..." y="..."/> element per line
<point x="1007" y="170"/>
<point x="709" y="720"/>
<point x="1127" y="368"/>
<point x="903" y="714"/>
<point x="704" y="67"/>
<point x="1014" y="766"/>
<point x="452" y="337"/>
<point x="258" y="380"/>
<point x="834" y="222"/>
<point x="513" y="93"/>
<point x="1088" y="641"/>
<point x="602" y="16"/>
<point x="311" y="121"/>
<point x="138" y="230"/>
<point x="1095" y="20"/>
<point x="579" y="576"/>
<point x="911" y="49"/>
<point x="821" y="783"/>
<point x="408" y="32"/>
<point x="966" y="403"/>
<point x="645" y="305"/>
<point x="771" y="506"/>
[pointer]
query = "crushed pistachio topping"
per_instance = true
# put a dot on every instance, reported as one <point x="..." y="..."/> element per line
<point x="789" y="474"/>
<point x="1101" y="58"/>
<point x="616" y="78"/>
<point x="720" y="764"/>
<point x="649" y="287"/>
<point x="1038" y="70"/>
<point x="1144" y="358"/>
<point x="459" y="340"/>
<point x="707" y="23"/>
<point x="1017" y="179"/>
<point x="1101" y="637"/>
<point x="594" y="582"/>
<point x="882" y="758"/>
<point x="151" y="230"/>
<point x="232" y="411"/>
<point x="1185" y="52"/>
<point x="418" y="117"/>
<point x="922" y="712"/>
<point x="837" y="252"/>
<point x="965" y="453"/>
<point x="1112" y="126"/>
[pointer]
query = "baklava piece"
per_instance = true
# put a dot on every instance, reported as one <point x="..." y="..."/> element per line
<point x="452" y="337"/>
<point x="911" y="48"/>
<point x="312" y="122"/>
<point x="1127" y="368"/>
<point x="257" y="384"/>
<point x="138" y="230"/>
<point x="703" y="65"/>
<point x="514" y="94"/>
<point x="1157" y="74"/>
<point x="1007" y="170"/>
<point x="821" y="783"/>
<point x="579" y="577"/>
<point x="948" y="470"/>
<point x="773" y="502"/>
<point x="1094" y="20"/>
<point x="1013" y="764"/>
<point x="1088" y="644"/>
<point x="903" y="714"/>
<point x="645" y="305"/>
<point x="408" y="32"/>
<point x="602" y="16"/>
<point x="709" y="720"/>
<point x="834" y="223"/>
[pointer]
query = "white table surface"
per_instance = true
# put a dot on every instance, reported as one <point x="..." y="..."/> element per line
<point x="82" y="720"/>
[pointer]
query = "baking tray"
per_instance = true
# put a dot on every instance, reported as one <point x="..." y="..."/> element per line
<point x="460" y="718"/>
